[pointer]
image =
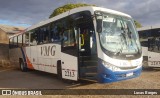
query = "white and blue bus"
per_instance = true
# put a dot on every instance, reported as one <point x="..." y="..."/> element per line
<point x="150" y="42"/>
<point x="84" y="43"/>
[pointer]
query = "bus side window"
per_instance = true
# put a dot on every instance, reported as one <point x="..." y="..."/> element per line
<point x="23" y="39"/>
<point x="55" y="32"/>
<point x="41" y="35"/>
<point x="46" y="34"/>
<point x="33" y="38"/>
<point x="20" y="41"/>
<point x="26" y="38"/>
<point x="68" y="38"/>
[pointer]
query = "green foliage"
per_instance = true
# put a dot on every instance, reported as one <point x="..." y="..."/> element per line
<point x="138" y="25"/>
<point x="67" y="7"/>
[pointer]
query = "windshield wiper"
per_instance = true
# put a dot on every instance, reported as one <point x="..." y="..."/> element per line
<point x="133" y="39"/>
<point x="119" y="51"/>
<point x="124" y="40"/>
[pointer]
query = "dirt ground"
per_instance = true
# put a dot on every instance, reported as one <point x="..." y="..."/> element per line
<point x="149" y="79"/>
<point x="13" y="78"/>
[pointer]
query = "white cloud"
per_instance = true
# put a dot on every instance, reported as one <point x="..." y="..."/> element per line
<point x="146" y="12"/>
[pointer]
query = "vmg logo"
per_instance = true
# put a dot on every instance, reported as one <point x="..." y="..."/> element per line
<point x="48" y="50"/>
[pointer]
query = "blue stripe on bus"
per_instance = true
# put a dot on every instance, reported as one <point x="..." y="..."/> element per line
<point x="106" y="75"/>
<point x="23" y="54"/>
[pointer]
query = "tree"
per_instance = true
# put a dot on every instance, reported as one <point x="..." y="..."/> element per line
<point x="138" y="25"/>
<point x="67" y="7"/>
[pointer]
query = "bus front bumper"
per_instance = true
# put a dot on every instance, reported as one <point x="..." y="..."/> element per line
<point x="107" y="76"/>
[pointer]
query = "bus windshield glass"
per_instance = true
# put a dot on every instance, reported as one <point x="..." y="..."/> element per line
<point x="119" y="35"/>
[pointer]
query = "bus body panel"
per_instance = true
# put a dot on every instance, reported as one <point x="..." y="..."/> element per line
<point x="69" y="66"/>
<point x="47" y="56"/>
<point x="27" y="53"/>
<point x="153" y="59"/>
<point x="150" y="45"/>
<point x="145" y="55"/>
<point x="44" y="57"/>
<point x="145" y="51"/>
<point x="106" y="75"/>
<point x="33" y="56"/>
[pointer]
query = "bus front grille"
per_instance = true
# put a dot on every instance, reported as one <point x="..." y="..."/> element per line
<point x="126" y="68"/>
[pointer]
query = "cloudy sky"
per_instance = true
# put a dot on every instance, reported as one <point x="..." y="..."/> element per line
<point x="29" y="12"/>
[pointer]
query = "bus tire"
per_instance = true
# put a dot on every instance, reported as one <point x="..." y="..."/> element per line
<point x="59" y="70"/>
<point x="22" y="66"/>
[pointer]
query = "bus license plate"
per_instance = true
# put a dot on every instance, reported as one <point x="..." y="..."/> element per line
<point x="129" y="74"/>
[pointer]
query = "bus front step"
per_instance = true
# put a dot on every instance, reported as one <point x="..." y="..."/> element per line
<point x="88" y="58"/>
<point x="88" y="63"/>
<point x="90" y="74"/>
<point x="89" y="78"/>
<point x="88" y="69"/>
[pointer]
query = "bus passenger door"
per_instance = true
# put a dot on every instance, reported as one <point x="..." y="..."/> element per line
<point x="88" y="62"/>
<point x="69" y="55"/>
<point x="87" y="48"/>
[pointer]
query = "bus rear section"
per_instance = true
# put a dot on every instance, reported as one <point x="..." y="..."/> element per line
<point x="143" y="35"/>
<point x="152" y="45"/>
<point x="154" y="48"/>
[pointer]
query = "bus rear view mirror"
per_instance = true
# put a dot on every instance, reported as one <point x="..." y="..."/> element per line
<point x="99" y="25"/>
<point x="99" y="18"/>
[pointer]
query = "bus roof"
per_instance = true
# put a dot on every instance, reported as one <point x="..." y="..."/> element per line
<point x="90" y="8"/>
<point x="17" y="34"/>
<point x="144" y="28"/>
<point x="148" y="27"/>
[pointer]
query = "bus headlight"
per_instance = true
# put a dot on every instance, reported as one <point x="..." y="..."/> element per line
<point x="110" y="66"/>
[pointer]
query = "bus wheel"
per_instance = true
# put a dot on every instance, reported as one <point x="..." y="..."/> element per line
<point x="22" y="66"/>
<point x="59" y="70"/>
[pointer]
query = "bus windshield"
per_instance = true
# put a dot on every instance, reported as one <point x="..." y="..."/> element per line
<point x="119" y="35"/>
